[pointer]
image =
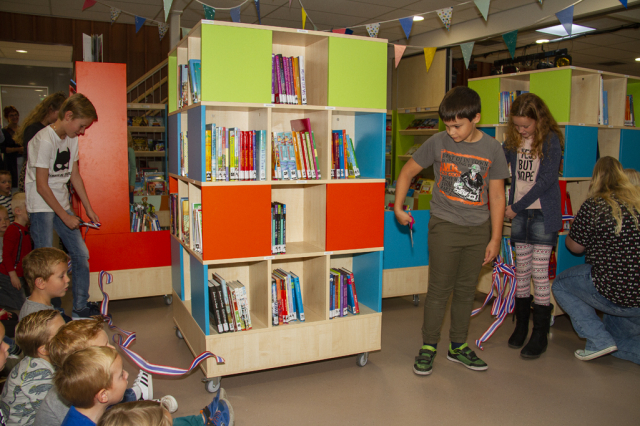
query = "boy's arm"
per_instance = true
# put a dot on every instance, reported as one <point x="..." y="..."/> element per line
<point x="78" y="186"/>
<point x="496" y="199"/>
<point x="410" y="169"/>
<point x="42" y="186"/>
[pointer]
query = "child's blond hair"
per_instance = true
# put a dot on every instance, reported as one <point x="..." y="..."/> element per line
<point x="4" y="209"/>
<point x="40" y="263"/>
<point x="80" y="106"/>
<point x="136" y="413"/>
<point x="84" y="374"/>
<point x="72" y="337"/>
<point x="18" y="201"/>
<point x="32" y="331"/>
<point x="633" y="175"/>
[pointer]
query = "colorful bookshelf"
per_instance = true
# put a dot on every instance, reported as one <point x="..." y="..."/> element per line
<point x="329" y="222"/>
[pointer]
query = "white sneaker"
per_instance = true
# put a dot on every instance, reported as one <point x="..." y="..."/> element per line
<point x="169" y="402"/>
<point x="144" y="383"/>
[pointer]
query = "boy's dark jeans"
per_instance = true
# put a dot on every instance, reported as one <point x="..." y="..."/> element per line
<point x="456" y="254"/>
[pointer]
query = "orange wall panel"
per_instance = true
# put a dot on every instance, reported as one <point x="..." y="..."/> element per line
<point x="236" y="221"/>
<point x="129" y="250"/>
<point x="355" y="216"/>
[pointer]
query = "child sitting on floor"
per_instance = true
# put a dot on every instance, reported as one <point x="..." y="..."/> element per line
<point x="16" y="245"/>
<point x="45" y="271"/>
<point x="4" y="354"/>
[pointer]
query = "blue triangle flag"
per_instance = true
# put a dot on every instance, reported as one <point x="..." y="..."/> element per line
<point x="258" y="7"/>
<point x="406" y="23"/>
<point x="624" y="3"/>
<point x="235" y="14"/>
<point x="209" y="12"/>
<point x="566" y="18"/>
<point x="510" y="39"/>
<point x="139" y="23"/>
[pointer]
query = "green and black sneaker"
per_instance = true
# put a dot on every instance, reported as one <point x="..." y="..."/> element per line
<point x="465" y="356"/>
<point x="424" y="361"/>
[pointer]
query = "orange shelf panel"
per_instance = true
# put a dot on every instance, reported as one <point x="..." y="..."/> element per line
<point x="128" y="250"/>
<point x="355" y="216"/>
<point x="173" y="185"/>
<point x="236" y="221"/>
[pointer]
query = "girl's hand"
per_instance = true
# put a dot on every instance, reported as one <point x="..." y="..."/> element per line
<point x="402" y="217"/>
<point x="508" y="213"/>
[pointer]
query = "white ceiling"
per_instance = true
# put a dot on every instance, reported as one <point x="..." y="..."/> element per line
<point x="467" y="22"/>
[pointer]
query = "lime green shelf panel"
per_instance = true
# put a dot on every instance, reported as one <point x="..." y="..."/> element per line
<point x="489" y="91"/>
<point x="554" y="87"/>
<point x="633" y="88"/>
<point x="402" y="143"/>
<point x="357" y="73"/>
<point x="236" y="64"/>
<point x="172" y="82"/>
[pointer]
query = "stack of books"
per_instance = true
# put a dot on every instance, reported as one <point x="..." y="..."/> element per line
<point x="288" y="84"/>
<point x="506" y="99"/>
<point x="232" y="154"/>
<point x="424" y="123"/>
<point x="629" y="114"/>
<point x="229" y="305"/>
<point x="278" y="228"/>
<point x="189" y="88"/>
<point x="286" y="297"/>
<point x="344" y="164"/>
<point x="144" y="218"/>
<point x="196" y="214"/>
<point x="294" y="154"/>
<point x="343" y="297"/>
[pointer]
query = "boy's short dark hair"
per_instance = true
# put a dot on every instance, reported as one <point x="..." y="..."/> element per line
<point x="5" y="172"/>
<point x="460" y="102"/>
<point x="40" y="263"/>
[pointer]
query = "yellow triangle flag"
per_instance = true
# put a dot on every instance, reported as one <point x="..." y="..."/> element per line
<point x="429" y="53"/>
<point x="304" y="18"/>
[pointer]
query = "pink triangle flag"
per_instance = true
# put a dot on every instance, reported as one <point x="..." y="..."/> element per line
<point x="399" y="50"/>
<point x="87" y="4"/>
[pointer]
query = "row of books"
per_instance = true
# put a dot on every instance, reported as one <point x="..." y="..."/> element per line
<point x="229" y="305"/>
<point x="179" y="216"/>
<point x="629" y="113"/>
<point x="344" y="164"/>
<point x="424" y="123"/>
<point x="294" y="156"/>
<point x="278" y="228"/>
<point x="506" y="99"/>
<point x="145" y="121"/>
<point x="196" y="214"/>
<point x="343" y="297"/>
<point x="232" y="154"/>
<point x="189" y="81"/>
<point x="286" y="297"/>
<point x="288" y="85"/>
<point x="143" y="218"/>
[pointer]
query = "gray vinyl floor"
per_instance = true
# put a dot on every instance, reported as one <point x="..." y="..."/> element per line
<point x="556" y="389"/>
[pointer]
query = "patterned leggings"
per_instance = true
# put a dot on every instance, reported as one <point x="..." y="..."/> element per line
<point x="540" y="255"/>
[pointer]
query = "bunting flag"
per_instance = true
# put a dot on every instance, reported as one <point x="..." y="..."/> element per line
<point x="184" y="31"/>
<point x="235" y="14"/>
<point x="304" y="18"/>
<point x="406" y="23"/>
<point x="139" y="23"/>
<point x="510" y="39"/>
<point x="566" y="18"/>
<point x="373" y="30"/>
<point x="540" y="1"/>
<point x="257" y="2"/>
<point x="167" y="8"/>
<point x="209" y="12"/>
<point x="399" y="50"/>
<point x="429" y="53"/>
<point x="314" y="27"/>
<point x="87" y="4"/>
<point x="467" y="48"/>
<point x="114" y="14"/>
<point x="289" y="4"/>
<point x="483" y="7"/>
<point x="346" y="31"/>
<point x="445" y="16"/>
<point x="162" y="29"/>
<point x="624" y="3"/>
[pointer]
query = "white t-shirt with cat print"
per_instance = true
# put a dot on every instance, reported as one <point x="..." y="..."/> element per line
<point x="47" y="150"/>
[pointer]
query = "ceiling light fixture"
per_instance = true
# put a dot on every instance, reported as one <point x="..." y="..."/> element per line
<point x="637" y="59"/>
<point x="21" y="51"/>
<point x="558" y="30"/>
<point x="418" y="18"/>
<point x="39" y="90"/>
<point x="542" y="40"/>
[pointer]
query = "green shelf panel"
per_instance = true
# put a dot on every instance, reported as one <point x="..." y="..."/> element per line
<point x="236" y="64"/>
<point x="489" y="91"/>
<point x="633" y="88"/>
<point x="402" y="142"/>
<point x="554" y="87"/>
<point x="357" y="73"/>
<point x="172" y="82"/>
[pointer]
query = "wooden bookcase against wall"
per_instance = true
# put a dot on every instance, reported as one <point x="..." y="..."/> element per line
<point x="572" y="95"/>
<point x="329" y="222"/>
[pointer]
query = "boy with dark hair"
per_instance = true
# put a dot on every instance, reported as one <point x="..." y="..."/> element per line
<point x="464" y="235"/>
<point x="45" y="271"/>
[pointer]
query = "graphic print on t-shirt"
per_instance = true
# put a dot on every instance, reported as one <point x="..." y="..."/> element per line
<point x="526" y="172"/>
<point x="462" y="177"/>
<point x="62" y="160"/>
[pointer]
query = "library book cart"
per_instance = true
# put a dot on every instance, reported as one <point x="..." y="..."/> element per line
<point x="329" y="222"/>
<point x="573" y="97"/>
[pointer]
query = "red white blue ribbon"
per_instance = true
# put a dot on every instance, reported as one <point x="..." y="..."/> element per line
<point x="124" y="339"/>
<point x="503" y="276"/>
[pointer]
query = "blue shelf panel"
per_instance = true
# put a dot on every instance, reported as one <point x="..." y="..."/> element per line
<point x="196" y="133"/>
<point x="369" y="139"/>
<point x="177" y="278"/>
<point x="398" y="252"/>
<point x="566" y="259"/>
<point x="630" y="149"/>
<point x="491" y="131"/>
<point x="199" y="294"/>
<point x="173" y="139"/>
<point x="367" y="270"/>
<point x="580" y="150"/>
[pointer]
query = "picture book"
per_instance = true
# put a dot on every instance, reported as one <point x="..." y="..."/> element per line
<point x="194" y="78"/>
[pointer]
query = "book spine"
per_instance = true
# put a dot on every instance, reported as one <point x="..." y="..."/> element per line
<point x="225" y="296"/>
<point x="331" y="291"/>
<point x="293" y="167"/>
<point x="314" y="156"/>
<point x="237" y="303"/>
<point x="245" y="304"/>
<point x="299" y="298"/>
<point x="283" y="244"/>
<point x="296" y="79"/>
<point x="283" y="92"/>
<point x="276" y="227"/>
<point x="237" y="153"/>
<point x="263" y="155"/>
<point x="235" y="315"/>
<point x="207" y="152"/>
<point x="214" y="308"/>
<point x="287" y="74"/>
<point x="224" y="306"/>
<point x="311" y="172"/>
<point x="303" y="84"/>
<point x="299" y="156"/>
<point x="274" y="302"/>
<point x="356" y="169"/>
<point x="273" y="80"/>
<point x="276" y="61"/>
<point x="343" y="293"/>
<point x="291" y="298"/>
<point x="214" y="153"/>
<point x="344" y="153"/>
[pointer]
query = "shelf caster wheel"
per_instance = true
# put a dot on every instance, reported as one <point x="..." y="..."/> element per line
<point x="416" y="300"/>
<point x="212" y="385"/>
<point x="168" y="299"/>
<point x="362" y="359"/>
<point x="179" y="334"/>
<point x="553" y="321"/>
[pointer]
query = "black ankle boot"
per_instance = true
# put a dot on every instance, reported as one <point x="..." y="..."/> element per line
<point x="541" y="323"/>
<point x="521" y="314"/>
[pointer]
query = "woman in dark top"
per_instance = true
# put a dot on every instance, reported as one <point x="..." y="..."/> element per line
<point x="42" y="115"/>
<point x="9" y="148"/>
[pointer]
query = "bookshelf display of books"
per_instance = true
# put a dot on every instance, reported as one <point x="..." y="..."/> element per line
<point x="266" y="223"/>
<point x="147" y="123"/>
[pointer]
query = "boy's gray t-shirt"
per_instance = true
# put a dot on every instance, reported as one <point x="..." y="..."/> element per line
<point x="462" y="174"/>
<point x="30" y="307"/>
<point x="53" y="409"/>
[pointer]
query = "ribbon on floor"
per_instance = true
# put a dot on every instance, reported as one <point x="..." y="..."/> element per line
<point x="503" y="276"/>
<point x="124" y="339"/>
